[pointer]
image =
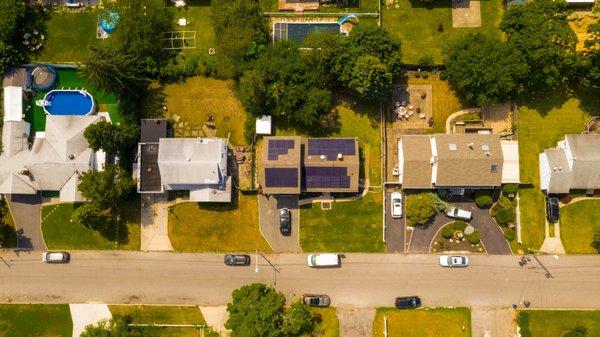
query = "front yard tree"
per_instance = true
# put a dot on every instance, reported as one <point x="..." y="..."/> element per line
<point x="420" y="208"/>
<point x="485" y="70"/>
<point x="106" y="189"/>
<point x="115" y="327"/>
<point x="540" y="31"/>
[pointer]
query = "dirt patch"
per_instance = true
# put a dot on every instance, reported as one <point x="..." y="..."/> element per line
<point x="356" y="322"/>
<point x="466" y="13"/>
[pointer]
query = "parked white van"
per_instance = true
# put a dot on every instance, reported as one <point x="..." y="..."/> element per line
<point x="323" y="260"/>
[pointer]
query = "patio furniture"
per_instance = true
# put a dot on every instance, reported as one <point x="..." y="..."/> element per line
<point x="411" y="107"/>
<point x="402" y="111"/>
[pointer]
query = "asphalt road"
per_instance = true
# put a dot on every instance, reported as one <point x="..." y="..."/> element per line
<point x="364" y="280"/>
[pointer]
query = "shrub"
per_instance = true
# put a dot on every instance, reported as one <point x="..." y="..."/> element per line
<point x="447" y="232"/>
<point x="510" y="188"/>
<point x="440" y="26"/>
<point x="473" y="237"/>
<point x="579" y="331"/>
<point x="420" y="208"/>
<point x="443" y="75"/>
<point x="459" y="225"/>
<point x="505" y="216"/>
<point x="506" y="202"/>
<point x="484" y="198"/>
<point x="510" y="234"/>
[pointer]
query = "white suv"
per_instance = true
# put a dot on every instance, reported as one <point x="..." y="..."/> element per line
<point x="396" y="200"/>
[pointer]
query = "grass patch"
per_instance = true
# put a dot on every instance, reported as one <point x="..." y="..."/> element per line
<point x="340" y="229"/>
<point x="198" y="97"/>
<point x="149" y="314"/>
<point x="424" y="322"/>
<point x="544" y="119"/>
<point x="69" y="36"/>
<point x="18" y="320"/>
<point x="204" y="227"/>
<point x="197" y="14"/>
<point x="578" y="224"/>
<point x="329" y="325"/>
<point x="559" y="322"/>
<point x="416" y="24"/>
<point x="62" y="233"/>
<point x="8" y="233"/>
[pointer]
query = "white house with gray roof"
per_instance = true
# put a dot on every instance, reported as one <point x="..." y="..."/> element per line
<point x="573" y="164"/>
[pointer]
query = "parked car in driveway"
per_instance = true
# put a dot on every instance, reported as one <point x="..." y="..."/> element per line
<point x="285" y="222"/>
<point x="454" y="261"/>
<point x="316" y="300"/>
<point x="408" y="302"/>
<point x="396" y="200"/>
<point x="458" y="213"/>
<point x="56" y="257"/>
<point x="237" y="260"/>
<point x="552" y="209"/>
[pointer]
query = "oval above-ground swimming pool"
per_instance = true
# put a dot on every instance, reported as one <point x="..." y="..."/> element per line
<point x="68" y="103"/>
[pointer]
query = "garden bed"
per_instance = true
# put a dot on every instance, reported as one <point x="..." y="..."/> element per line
<point x="452" y="237"/>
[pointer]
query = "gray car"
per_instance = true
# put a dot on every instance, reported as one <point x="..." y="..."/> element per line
<point x="316" y="300"/>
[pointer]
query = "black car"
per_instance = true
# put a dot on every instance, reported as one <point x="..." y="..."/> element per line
<point x="285" y="222"/>
<point x="552" y="209"/>
<point x="237" y="260"/>
<point x="316" y="300"/>
<point x="408" y="302"/>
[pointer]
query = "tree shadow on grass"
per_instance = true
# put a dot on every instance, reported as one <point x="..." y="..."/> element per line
<point x="153" y="103"/>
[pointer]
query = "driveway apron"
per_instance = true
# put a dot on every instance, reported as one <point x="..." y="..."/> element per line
<point x="25" y="210"/>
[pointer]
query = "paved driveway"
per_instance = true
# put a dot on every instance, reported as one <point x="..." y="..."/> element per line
<point x="394" y="228"/>
<point x="490" y="233"/>
<point x="269" y="222"/>
<point x="25" y="210"/>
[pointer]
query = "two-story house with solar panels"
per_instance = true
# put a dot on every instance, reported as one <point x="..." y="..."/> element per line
<point x="292" y="165"/>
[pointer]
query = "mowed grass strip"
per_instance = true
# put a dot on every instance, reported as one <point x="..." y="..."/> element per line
<point x="61" y="232"/>
<point x="223" y="227"/>
<point x="579" y="222"/>
<point x="434" y="322"/>
<point x="150" y="314"/>
<point x="20" y="320"/>
<point x="558" y="323"/>
<point x="353" y="226"/>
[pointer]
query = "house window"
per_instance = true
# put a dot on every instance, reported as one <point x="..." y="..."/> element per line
<point x="494" y="168"/>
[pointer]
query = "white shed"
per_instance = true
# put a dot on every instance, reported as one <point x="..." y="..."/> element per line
<point x="13" y="104"/>
<point x="263" y="125"/>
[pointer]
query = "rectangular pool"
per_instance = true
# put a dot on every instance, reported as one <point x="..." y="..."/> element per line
<point x="298" y="31"/>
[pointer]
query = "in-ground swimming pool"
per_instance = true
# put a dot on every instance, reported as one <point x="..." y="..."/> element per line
<point x="298" y="31"/>
<point x="68" y="103"/>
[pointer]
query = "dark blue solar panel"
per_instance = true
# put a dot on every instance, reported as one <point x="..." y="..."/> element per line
<point x="331" y="147"/>
<point x="281" y="177"/>
<point x="325" y="177"/>
<point x="279" y="147"/>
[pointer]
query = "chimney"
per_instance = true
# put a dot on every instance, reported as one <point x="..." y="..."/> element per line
<point x="470" y="145"/>
<point x="340" y="156"/>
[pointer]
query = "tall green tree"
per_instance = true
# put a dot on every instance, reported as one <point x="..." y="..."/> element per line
<point x="591" y="56"/>
<point x="484" y="69"/>
<point x="371" y="78"/>
<point x="111" y="138"/>
<point x="540" y="31"/>
<point x="12" y="18"/>
<point x="106" y="189"/>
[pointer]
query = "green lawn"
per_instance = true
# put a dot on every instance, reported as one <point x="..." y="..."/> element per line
<point x="578" y="224"/>
<point x="150" y="314"/>
<point x="70" y="78"/>
<point x="544" y="119"/>
<point x="31" y="320"/>
<point x="197" y="14"/>
<point x="424" y="322"/>
<point x="205" y="227"/>
<point x="329" y="325"/>
<point x="354" y="226"/>
<point x="557" y="323"/>
<point x="69" y="35"/>
<point x="60" y="232"/>
<point x="8" y="234"/>
<point x="415" y="24"/>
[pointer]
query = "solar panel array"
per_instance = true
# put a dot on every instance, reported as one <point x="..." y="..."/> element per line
<point x="331" y="147"/>
<point x="281" y="177"/>
<point x="279" y="147"/>
<point x="326" y="177"/>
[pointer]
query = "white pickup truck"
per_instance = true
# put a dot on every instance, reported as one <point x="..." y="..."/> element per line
<point x="458" y="213"/>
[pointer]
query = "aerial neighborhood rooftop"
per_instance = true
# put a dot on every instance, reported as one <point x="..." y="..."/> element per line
<point x="293" y="168"/>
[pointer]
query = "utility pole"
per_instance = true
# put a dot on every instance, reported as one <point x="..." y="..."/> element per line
<point x="275" y="270"/>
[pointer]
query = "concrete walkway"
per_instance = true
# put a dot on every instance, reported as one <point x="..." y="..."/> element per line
<point x="26" y="212"/>
<point x="496" y="322"/>
<point x="216" y="317"/>
<point x="456" y="114"/>
<point x="356" y="322"/>
<point x="86" y="314"/>
<point x="155" y="223"/>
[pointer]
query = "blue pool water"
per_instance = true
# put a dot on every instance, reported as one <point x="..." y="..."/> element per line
<point x="298" y="31"/>
<point x="68" y="103"/>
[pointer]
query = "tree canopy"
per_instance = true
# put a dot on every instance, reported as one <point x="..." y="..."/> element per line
<point x="12" y="18"/>
<point x="106" y="189"/>
<point x="115" y="327"/>
<point x="111" y="138"/>
<point x="540" y="31"/>
<point x="484" y="69"/>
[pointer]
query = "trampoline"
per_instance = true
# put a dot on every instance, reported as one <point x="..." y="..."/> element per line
<point x="43" y="78"/>
<point x="298" y="31"/>
<point x="68" y="103"/>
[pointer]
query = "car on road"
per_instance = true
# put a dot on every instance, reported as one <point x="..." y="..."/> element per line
<point x="237" y="260"/>
<point x="316" y="300"/>
<point x="396" y="200"/>
<point x="323" y="260"/>
<point x="56" y="257"/>
<point x="285" y="222"/>
<point x="458" y="213"/>
<point x="552" y="209"/>
<point x="408" y="302"/>
<point x="454" y="261"/>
